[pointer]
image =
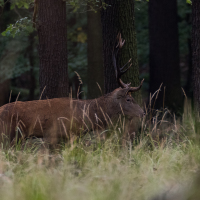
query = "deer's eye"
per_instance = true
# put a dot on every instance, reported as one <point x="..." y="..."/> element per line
<point x="128" y="100"/>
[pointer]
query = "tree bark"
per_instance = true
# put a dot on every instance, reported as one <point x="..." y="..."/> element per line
<point x="95" y="57"/>
<point x="5" y="84"/>
<point x="52" y="32"/>
<point x="196" y="51"/>
<point x="5" y="91"/>
<point x="119" y="17"/>
<point x="109" y="19"/>
<point x="129" y="50"/>
<point x="188" y="86"/>
<point x="164" y="53"/>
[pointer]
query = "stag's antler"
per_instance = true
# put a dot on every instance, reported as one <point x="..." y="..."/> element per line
<point x="120" y="71"/>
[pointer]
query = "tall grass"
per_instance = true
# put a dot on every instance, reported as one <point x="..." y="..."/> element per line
<point x="164" y="159"/>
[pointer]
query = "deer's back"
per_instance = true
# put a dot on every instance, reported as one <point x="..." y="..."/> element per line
<point x="39" y="117"/>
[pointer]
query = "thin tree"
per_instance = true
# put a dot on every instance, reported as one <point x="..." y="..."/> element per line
<point x="164" y="53"/>
<point x="196" y="51"/>
<point x="95" y="58"/>
<point x="109" y="19"/>
<point x="52" y="32"/>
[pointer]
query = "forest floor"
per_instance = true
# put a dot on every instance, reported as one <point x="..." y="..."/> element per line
<point x="163" y="163"/>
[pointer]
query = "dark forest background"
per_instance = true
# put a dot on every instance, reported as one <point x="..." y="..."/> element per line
<point x="19" y="59"/>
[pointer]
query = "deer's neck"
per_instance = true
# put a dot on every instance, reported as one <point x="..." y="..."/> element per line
<point x="103" y="107"/>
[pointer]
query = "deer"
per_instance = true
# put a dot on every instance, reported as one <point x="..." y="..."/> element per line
<point x="62" y="117"/>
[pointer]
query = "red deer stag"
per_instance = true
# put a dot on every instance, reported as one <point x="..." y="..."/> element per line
<point x="59" y="117"/>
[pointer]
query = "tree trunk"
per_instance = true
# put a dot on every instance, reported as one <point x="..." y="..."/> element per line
<point x="188" y="86"/>
<point x="95" y="57"/>
<point x="109" y="19"/>
<point x="5" y="91"/>
<point x="5" y="84"/>
<point x="119" y="17"/>
<point x="164" y="53"/>
<point x="196" y="51"/>
<point x="129" y="50"/>
<point x="52" y="32"/>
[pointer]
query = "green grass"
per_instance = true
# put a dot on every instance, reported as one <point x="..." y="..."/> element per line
<point x="164" y="159"/>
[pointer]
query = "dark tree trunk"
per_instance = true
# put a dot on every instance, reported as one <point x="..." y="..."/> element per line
<point x="5" y="91"/>
<point x="5" y="84"/>
<point x="196" y="50"/>
<point x="95" y="57"/>
<point x="6" y="6"/>
<point x="188" y="86"/>
<point x="129" y="50"/>
<point x="119" y="17"/>
<point x="109" y="19"/>
<point x="164" y="53"/>
<point x="52" y="32"/>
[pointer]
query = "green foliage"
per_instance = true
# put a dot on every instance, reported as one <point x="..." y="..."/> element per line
<point x="23" y="25"/>
<point x="142" y="32"/>
<point x="80" y="5"/>
<point x="21" y="3"/>
<point x="184" y="25"/>
<point x="189" y="1"/>
<point x="1" y="3"/>
<point x="22" y="65"/>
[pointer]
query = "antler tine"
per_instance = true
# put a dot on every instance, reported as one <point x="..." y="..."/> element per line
<point x="119" y="71"/>
<point x="115" y="65"/>
<point x="121" y="42"/>
<point x="134" y="89"/>
<point x="122" y="72"/>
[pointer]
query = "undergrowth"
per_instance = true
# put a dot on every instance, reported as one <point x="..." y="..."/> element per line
<point x="161" y="163"/>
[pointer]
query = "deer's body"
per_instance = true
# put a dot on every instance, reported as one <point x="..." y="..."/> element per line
<point x="60" y="117"/>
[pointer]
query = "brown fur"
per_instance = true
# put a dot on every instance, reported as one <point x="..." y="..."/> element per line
<point x="61" y="117"/>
